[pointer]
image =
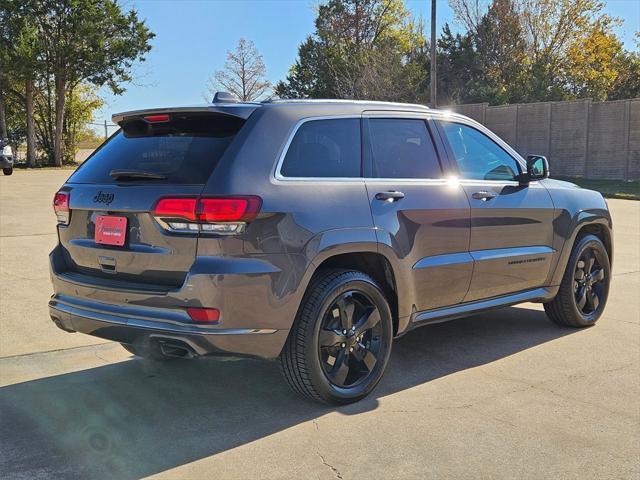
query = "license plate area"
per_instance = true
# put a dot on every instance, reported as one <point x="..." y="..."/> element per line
<point x="110" y="230"/>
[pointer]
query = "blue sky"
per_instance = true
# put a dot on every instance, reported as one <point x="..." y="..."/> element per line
<point x="192" y="38"/>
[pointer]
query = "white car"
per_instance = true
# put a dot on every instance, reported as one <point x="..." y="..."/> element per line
<point x="6" y="157"/>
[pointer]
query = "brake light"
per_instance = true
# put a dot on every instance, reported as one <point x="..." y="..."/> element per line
<point x="224" y="215"/>
<point x="176" y="208"/>
<point x="157" y="118"/>
<point x="61" y="207"/>
<point x="235" y="209"/>
<point x="204" y="315"/>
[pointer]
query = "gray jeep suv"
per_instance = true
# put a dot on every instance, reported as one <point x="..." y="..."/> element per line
<point x="315" y="232"/>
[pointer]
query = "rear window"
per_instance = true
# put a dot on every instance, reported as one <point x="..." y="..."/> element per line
<point x="184" y="150"/>
<point x="324" y="148"/>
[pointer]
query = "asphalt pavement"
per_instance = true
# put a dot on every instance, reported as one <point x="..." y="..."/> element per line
<point x="505" y="394"/>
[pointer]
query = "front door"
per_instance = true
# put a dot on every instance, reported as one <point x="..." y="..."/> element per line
<point x="511" y="224"/>
<point x="420" y="216"/>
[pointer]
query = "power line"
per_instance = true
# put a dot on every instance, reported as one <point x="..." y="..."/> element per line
<point x="103" y="124"/>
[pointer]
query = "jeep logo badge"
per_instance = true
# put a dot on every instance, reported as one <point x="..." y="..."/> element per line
<point x="105" y="198"/>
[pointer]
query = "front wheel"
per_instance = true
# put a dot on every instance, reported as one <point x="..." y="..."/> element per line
<point x="341" y="339"/>
<point x="7" y="171"/>
<point x="585" y="286"/>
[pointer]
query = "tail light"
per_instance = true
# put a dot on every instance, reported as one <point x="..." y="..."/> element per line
<point x="222" y="215"/>
<point x="61" y="207"/>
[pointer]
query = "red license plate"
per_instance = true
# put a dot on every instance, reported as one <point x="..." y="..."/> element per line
<point x="111" y="230"/>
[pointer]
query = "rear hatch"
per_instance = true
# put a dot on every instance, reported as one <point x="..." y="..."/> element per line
<point x="111" y="232"/>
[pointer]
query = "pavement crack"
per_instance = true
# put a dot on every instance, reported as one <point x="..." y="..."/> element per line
<point x="99" y="357"/>
<point x="56" y="350"/>
<point x="335" y="471"/>
<point x="28" y="235"/>
<point x="455" y="407"/>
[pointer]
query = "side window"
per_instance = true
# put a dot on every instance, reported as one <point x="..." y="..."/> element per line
<point x="478" y="157"/>
<point x="401" y="148"/>
<point x="324" y="148"/>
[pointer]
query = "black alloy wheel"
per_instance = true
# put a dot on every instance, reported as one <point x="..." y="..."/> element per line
<point x="349" y="339"/>
<point x="340" y="342"/>
<point x="589" y="279"/>
<point x="584" y="289"/>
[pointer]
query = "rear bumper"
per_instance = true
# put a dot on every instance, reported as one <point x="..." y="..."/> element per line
<point x="111" y="323"/>
<point x="255" y="315"/>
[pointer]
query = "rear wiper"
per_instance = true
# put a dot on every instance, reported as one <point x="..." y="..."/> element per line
<point x="136" y="174"/>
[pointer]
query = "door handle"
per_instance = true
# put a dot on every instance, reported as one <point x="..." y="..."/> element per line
<point x="484" y="195"/>
<point x="390" y="196"/>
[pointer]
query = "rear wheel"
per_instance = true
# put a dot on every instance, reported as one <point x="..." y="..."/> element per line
<point x="585" y="286"/>
<point x="340" y="342"/>
<point x="7" y="171"/>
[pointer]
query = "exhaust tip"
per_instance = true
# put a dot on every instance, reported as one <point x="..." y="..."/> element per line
<point x="175" y="349"/>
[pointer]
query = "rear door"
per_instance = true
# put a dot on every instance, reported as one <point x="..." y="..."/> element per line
<point x="120" y="184"/>
<point x="419" y="215"/>
<point x="511" y="224"/>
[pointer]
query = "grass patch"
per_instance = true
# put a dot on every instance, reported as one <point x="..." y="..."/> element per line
<point x="608" y="188"/>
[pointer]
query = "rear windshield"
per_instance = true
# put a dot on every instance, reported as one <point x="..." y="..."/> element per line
<point x="184" y="150"/>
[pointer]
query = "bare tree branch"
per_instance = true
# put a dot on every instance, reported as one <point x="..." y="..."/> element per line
<point x="244" y="74"/>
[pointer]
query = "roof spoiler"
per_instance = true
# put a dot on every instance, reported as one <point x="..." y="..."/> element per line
<point x="238" y="110"/>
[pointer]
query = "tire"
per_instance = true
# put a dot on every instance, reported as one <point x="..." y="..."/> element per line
<point x="7" y="171"/>
<point x="574" y="305"/>
<point x="147" y="351"/>
<point x="337" y="299"/>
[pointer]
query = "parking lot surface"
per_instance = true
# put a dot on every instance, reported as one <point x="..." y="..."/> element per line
<point x="505" y="394"/>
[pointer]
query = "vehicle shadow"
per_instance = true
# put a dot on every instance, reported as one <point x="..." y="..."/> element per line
<point x="133" y="419"/>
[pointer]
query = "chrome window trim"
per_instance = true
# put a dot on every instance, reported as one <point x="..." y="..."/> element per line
<point x="426" y="115"/>
<point x="278" y="177"/>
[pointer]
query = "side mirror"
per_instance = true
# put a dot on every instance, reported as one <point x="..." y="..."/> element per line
<point x="537" y="168"/>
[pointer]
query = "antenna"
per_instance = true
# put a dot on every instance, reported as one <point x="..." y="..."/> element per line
<point x="224" y="97"/>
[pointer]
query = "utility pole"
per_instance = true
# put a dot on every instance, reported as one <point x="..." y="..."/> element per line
<point x="106" y="134"/>
<point x="432" y="88"/>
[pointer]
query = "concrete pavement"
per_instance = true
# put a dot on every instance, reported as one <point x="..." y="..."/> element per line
<point x="505" y="394"/>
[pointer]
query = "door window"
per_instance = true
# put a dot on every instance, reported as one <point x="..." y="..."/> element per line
<point x="401" y="148"/>
<point x="324" y="148"/>
<point x="478" y="157"/>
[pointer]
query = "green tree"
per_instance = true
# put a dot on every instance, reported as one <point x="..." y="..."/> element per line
<point x="90" y="41"/>
<point x="553" y="28"/>
<point x="458" y="71"/>
<point x="536" y="50"/>
<point x="627" y="83"/>
<point x="591" y="65"/>
<point x="308" y="76"/>
<point x="360" y="49"/>
<point x="501" y="53"/>
<point x="20" y="62"/>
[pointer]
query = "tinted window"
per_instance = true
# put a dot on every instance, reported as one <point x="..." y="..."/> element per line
<point x="324" y="148"/>
<point x="184" y="150"/>
<point x="478" y="157"/>
<point x="401" y="148"/>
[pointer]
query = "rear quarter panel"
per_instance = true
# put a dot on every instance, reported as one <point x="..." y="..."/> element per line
<point x="300" y="224"/>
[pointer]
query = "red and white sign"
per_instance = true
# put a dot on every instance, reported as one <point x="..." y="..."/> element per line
<point x="111" y="230"/>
